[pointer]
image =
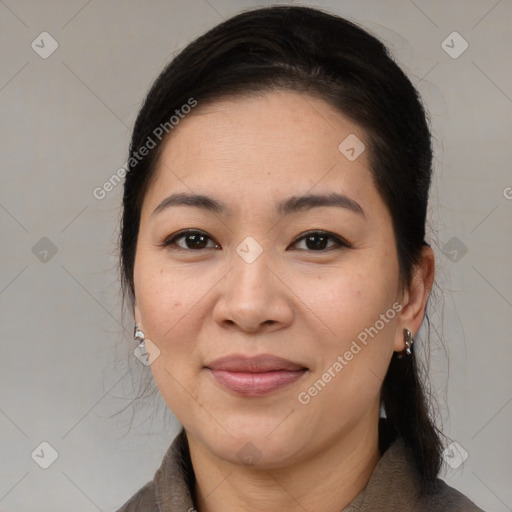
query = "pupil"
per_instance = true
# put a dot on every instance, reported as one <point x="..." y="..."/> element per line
<point x="312" y="237"/>
<point x="195" y="239"/>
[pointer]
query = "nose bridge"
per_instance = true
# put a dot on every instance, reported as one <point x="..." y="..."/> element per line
<point x="251" y="263"/>
<point x="252" y="295"/>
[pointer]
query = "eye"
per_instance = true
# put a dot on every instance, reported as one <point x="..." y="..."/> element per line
<point x="318" y="239"/>
<point x="197" y="240"/>
<point x="193" y="239"/>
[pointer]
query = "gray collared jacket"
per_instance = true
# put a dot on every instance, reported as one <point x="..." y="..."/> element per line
<point x="393" y="486"/>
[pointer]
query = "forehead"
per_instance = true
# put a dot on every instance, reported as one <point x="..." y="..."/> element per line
<point x="283" y="142"/>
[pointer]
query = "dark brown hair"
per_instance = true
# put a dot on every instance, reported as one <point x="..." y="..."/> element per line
<point x="311" y="51"/>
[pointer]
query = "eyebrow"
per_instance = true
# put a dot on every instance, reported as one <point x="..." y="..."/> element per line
<point x="294" y="204"/>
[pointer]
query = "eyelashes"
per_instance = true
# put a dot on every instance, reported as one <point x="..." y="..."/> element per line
<point x="199" y="239"/>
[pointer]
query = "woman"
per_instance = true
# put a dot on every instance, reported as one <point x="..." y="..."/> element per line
<point x="273" y="253"/>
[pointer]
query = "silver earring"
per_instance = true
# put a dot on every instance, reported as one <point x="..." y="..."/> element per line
<point x="408" y="341"/>
<point x="139" y="336"/>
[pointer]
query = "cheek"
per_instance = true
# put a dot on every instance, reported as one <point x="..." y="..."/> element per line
<point x="170" y="308"/>
<point x="358" y="318"/>
<point x="354" y="312"/>
<point x="345" y="303"/>
<point x="157" y="295"/>
<point x="171" y="300"/>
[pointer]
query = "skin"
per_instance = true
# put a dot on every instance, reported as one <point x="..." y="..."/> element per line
<point x="294" y="301"/>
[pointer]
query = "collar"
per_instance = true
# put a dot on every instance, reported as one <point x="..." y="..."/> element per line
<point x="393" y="485"/>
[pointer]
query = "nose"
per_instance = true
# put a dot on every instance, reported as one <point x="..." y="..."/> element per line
<point x="254" y="297"/>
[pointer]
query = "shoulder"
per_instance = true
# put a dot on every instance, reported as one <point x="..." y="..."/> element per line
<point x="142" y="500"/>
<point x="442" y="497"/>
<point x="172" y="485"/>
<point x="397" y="473"/>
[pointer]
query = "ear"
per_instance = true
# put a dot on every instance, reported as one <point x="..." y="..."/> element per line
<point x="415" y="297"/>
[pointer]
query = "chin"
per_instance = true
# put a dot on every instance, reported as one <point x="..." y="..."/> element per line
<point x="262" y="443"/>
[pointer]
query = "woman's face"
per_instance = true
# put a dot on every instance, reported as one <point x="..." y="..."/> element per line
<point x="257" y="279"/>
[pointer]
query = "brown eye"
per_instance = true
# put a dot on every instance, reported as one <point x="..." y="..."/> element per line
<point x="194" y="240"/>
<point x="316" y="241"/>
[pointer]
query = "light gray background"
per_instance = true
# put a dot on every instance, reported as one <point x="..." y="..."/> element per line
<point x="65" y="128"/>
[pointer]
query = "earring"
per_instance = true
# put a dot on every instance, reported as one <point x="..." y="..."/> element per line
<point x="139" y="336"/>
<point x="408" y="344"/>
<point x="408" y="341"/>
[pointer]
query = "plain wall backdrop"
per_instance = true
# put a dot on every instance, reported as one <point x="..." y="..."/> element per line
<point x="66" y="115"/>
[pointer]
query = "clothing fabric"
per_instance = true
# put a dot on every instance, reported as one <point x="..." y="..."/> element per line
<point x="393" y="486"/>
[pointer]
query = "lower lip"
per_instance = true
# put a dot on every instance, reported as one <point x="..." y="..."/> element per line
<point x="256" y="384"/>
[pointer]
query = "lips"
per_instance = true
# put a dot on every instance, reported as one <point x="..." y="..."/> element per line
<point x="258" y="364"/>
<point x="255" y="376"/>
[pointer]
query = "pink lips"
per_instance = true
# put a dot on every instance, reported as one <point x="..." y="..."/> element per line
<point x="255" y="376"/>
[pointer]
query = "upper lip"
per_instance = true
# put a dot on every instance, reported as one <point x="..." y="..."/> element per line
<point x="257" y="364"/>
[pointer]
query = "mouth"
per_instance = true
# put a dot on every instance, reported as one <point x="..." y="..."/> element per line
<point x="255" y="376"/>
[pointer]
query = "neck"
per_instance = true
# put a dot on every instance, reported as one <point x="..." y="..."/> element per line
<point x="328" y="482"/>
